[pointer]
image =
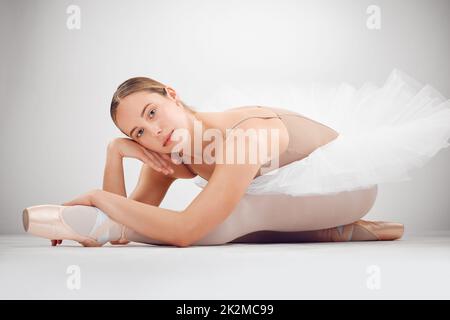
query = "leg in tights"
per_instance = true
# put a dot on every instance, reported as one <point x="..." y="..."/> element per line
<point x="265" y="218"/>
<point x="284" y="218"/>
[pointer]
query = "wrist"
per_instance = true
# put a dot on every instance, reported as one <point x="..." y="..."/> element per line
<point x="94" y="196"/>
<point x="113" y="153"/>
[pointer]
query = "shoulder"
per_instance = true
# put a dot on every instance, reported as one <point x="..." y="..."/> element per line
<point x="255" y="138"/>
<point x="266" y="127"/>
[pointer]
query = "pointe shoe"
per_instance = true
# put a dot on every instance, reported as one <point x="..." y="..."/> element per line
<point x="46" y="221"/>
<point x="371" y="231"/>
<point x="382" y="230"/>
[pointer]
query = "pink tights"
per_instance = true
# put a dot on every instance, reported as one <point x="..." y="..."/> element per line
<point x="284" y="218"/>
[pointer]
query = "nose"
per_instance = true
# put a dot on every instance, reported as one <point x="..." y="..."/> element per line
<point x="155" y="129"/>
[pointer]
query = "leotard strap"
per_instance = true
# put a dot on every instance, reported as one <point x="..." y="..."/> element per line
<point x="261" y="117"/>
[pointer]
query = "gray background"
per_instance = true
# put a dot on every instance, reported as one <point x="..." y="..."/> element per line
<point x="56" y="84"/>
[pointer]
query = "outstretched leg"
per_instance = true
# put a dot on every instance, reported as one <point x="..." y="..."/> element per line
<point x="284" y="216"/>
<point x="263" y="218"/>
<point x="360" y="230"/>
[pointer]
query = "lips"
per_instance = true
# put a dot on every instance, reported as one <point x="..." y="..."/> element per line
<point x="167" y="139"/>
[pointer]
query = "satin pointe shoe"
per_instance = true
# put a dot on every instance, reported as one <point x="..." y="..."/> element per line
<point x="47" y="221"/>
<point x="360" y="230"/>
<point x="381" y="230"/>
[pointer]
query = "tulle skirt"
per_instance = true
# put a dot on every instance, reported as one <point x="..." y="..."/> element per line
<point x="384" y="133"/>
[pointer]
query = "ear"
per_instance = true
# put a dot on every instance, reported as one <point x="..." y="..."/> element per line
<point x="171" y="93"/>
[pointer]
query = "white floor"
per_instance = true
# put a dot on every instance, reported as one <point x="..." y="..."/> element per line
<point x="415" y="267"/>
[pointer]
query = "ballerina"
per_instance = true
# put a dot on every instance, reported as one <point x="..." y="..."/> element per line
<point x="313" y="182"/>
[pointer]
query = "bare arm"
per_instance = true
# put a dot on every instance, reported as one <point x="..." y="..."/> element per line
<point x="151" y="188"/>
<point x="153" y="184"/>
<point x="182" y="228"/>
<point x="139" y="211"/>
<point x="113" y="176"/>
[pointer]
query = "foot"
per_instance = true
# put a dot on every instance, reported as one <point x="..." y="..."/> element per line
<point x="376" y="230"/>
<point x="84" y="224"/>
<point x="360" y="230"/>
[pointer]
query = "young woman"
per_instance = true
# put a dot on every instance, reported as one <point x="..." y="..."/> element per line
<point x="298" y="179"/>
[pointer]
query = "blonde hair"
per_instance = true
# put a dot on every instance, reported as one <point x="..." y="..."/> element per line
<point x="137" y="84"/>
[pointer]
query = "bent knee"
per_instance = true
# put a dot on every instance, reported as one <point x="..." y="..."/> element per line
<point x="364" y="200"/>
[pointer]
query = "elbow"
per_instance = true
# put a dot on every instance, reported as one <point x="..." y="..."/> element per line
<point x="183" y="240"/>
<point x="186" y="232"/>
<point x="182" y="243"/>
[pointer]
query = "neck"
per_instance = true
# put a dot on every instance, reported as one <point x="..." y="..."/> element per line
<point x="198" y="124"/>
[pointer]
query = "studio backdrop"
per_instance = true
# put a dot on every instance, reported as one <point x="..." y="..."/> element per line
<point x="61" y="61"/>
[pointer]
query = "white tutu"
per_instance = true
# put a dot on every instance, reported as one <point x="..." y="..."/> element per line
<point x="384" y="133"/>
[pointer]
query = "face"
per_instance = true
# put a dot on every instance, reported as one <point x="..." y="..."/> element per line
<point x="149" y="118"/>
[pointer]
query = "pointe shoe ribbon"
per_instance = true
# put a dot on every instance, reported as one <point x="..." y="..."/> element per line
<point x="335" y="234"/>
<point x="341" y="233"/>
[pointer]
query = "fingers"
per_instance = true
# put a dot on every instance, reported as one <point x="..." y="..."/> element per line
<point x="55" y="242"/>
<point x="116" y="242"/>
<point x="158" y="163"/>
<point x="166" y="157"/>
<point x="164" y="162"/>
<point x="83" y="244"/>
<point x="155" y="164"/>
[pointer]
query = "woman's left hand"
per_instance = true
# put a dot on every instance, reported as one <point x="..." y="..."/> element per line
<point x="83" y="200"/>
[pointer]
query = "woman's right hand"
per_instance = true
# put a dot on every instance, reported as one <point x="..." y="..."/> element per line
<point x="128" y="148"/>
